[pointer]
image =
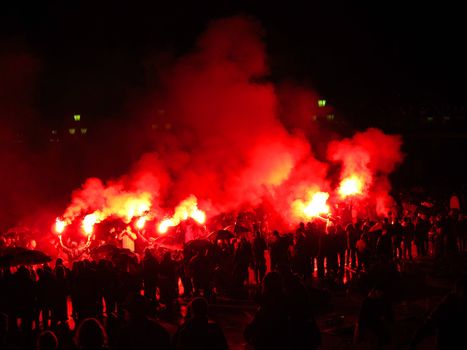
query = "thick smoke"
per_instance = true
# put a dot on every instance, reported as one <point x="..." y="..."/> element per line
<point x="237" y="149"/>
<point x="372" y="155"/>
<point x="232" y="142"/>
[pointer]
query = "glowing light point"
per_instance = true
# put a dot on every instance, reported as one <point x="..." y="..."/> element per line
<point x="350" y="186"/>
<point x="317" y="205"/>
<point x="141" y="222"/>
<point x="314" y="207"/>
<point x="164" y="225"/>
<point x="88" y="223"/>
<point x="77" y="117"/>
<point x="59" y="226"/>
<point x="199" y="216"/>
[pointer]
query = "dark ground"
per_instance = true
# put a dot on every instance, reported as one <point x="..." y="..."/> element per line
<point x="422" y="284"/>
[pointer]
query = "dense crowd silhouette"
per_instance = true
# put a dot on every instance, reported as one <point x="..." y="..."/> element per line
<point x="128" y="303"/>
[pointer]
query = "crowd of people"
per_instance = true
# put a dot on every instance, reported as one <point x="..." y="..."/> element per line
<point x="116" y="304"/>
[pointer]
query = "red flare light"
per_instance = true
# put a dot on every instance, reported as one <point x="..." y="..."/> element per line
<point x="59" y="226"/>
<point x="316" y="206"/>
<point x="350" y="186"/>
<point x="88" y="223"/>
<point x="140" y="222"/>
<point x="165" y="225"/>
<point x="188" y="208"/>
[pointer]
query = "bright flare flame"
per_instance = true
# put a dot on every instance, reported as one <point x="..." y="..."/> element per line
<point x="350" y="186"/>
<point x="199" y="216"/>
<point x="141" y="222"/>
<point x="125" y="206"/>
<point x="164" y="225"/>
<point x="316" y="206"/>
<point x="60" y="226"/>
<point x="88" y="223"/>
<point x="188" y="208"/>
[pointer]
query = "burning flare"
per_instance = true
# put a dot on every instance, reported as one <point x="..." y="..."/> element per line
<point x="60" y="225"/>
<point x="125" y="206"/>
<point x="188" y="208"/>
<point x="350" y="186"/>
<point x="141" y="222"/>
<point x="88" y="223"/>
<point x="316" y="206"/>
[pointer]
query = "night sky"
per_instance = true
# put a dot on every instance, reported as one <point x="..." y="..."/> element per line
<point x="94" y="54"/>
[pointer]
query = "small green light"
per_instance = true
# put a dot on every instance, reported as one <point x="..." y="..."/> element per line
<point x="330" y="117"/>
<point x="72" y="131"/>
<point x="322" y="103"/>
<point x="77" y="117"/>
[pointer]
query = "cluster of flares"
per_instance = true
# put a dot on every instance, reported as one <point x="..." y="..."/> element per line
<point x="186" y="209"/>
<point x="229" y="147"/>
<point x="141" y="211"/>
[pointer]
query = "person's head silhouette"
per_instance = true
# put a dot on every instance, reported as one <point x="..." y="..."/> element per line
<point x="47" y="341"/>
<point x="91" y="335"/>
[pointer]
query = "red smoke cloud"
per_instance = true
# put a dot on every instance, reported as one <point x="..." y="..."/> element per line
<point x="231" y="143"/>
<point x="371" y="156"/>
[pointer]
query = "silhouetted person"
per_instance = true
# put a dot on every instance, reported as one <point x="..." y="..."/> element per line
<point x="320" y="232"/>
<point x="269" y="328"/>
<point x="341" y="245"/>
<point x="363" y="251"/>
<point x="352" y="236"/>
<point x="242" y="259"/>
<point x="141" y="333"/>
<point x="185" y="277"/>
<point x="199" y="267"/>
<point x="168" y="281"/>
<point x="421" y="236"/>
<point x="150" y="274"/>
<point x="47" y="341"/>
<point x="44" y="288"/>
<point x="109" y="284"/>
<point x="384" y="245"/>
<point x="448" y="320"/>
<point x="301" y="258"/>
<point x="198" y="332"/>
<point x="396" y="237"/>
<point x="24" y="299"/>
<point x="60" y="296"/>
<point x="90" y="335"/>
<point x="407" y="237"/>
<point x="331" y="249"/>
<point x="259" y="261"/>
<point x="375" y="320"/>
<point x="279" y="250"/>
<point x="303" y="330"/>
